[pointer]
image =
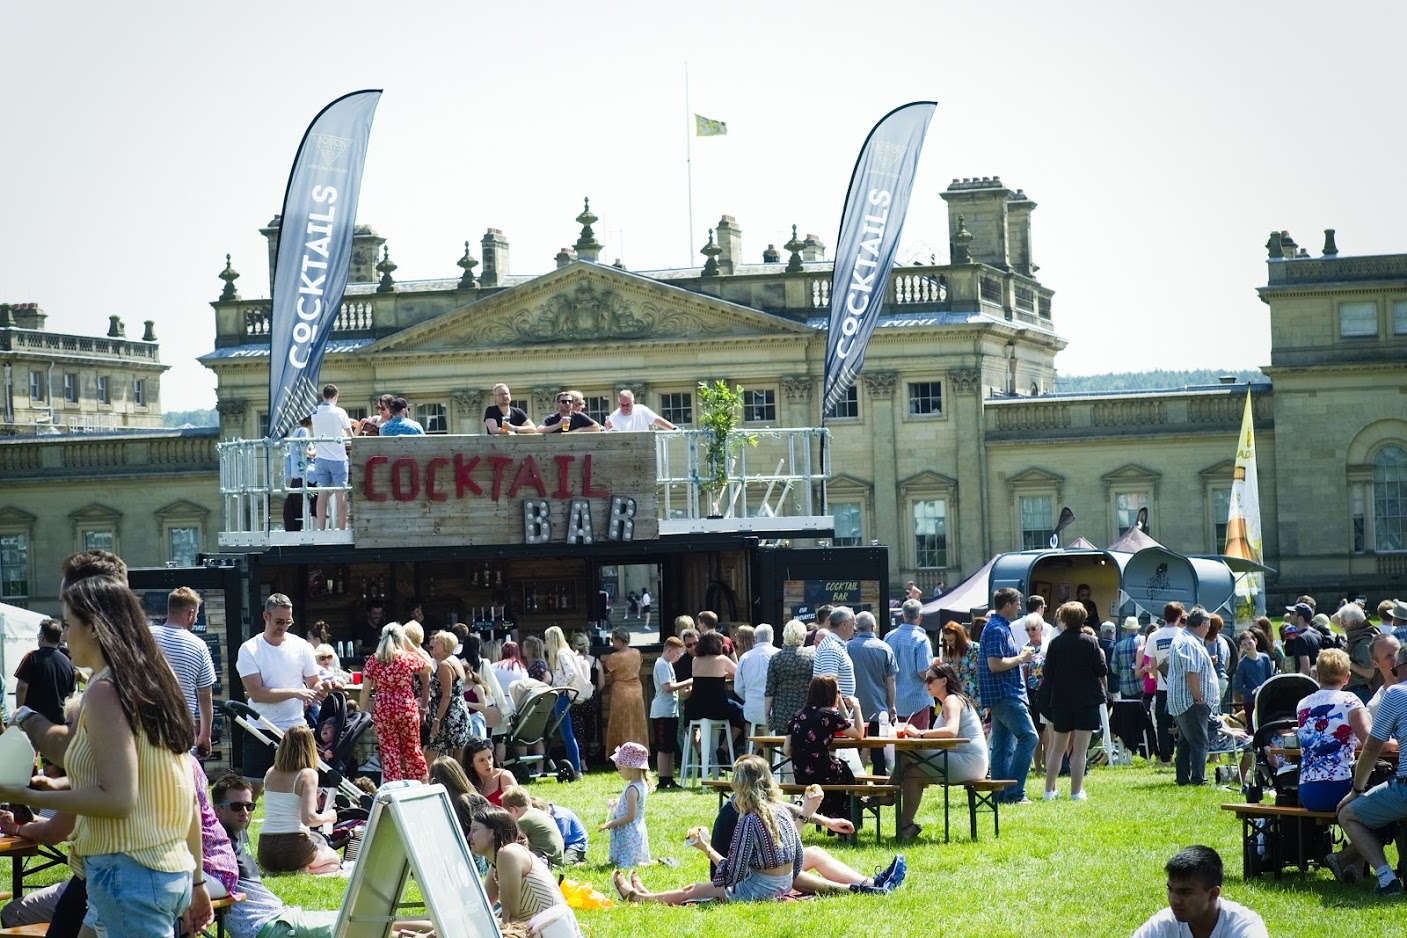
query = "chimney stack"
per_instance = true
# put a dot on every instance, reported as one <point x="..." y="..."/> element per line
<point x="730" y="238"/>
<point x="495" y="248"/>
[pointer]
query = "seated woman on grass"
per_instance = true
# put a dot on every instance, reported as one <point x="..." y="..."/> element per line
<point x="821" y="872"/>
<point x="286" y="845"/>
<point x="764" y="858"/>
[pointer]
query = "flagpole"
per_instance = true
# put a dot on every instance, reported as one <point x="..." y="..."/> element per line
<point x="689" y="164"/>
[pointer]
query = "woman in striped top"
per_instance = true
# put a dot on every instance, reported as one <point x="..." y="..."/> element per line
<point x="764" y="857"/>
<point x="519" y="882"/>
<point x="137" y="839"/>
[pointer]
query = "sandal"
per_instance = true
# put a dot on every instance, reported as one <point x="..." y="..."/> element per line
<point x="622" y="887"/>
<point x="636" y="883"/>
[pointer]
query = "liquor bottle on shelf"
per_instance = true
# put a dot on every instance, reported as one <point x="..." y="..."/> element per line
<point x="498" y="577"/>
<point x="431" y="587"/>
<point x="488" y="574"/>
<point x="474" y="577"/>
<point x="562" y="597"/>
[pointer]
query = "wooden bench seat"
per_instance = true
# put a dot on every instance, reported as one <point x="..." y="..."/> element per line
<point x="1271" y="827"/>
<point x="982" y="795"/>
<point x="39" y="929"/>
<point x="862" y="797"/>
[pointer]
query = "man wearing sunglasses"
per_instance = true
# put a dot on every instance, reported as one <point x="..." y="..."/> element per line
<point x="566" y="418"/>
<point x="234" y="805"/>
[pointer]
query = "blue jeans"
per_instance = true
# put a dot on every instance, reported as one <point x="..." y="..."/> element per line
<point x="1013" y="743"/>
<point x="133" y="900"/>
<point x="568" y="737"/>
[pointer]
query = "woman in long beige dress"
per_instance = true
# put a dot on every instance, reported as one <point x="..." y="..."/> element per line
<point x="625" y="717"/>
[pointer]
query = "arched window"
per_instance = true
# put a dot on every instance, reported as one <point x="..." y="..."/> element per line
<point x="1390" y="498"/>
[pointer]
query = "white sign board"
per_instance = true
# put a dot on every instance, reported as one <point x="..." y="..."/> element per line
<point x="414" y="830"/>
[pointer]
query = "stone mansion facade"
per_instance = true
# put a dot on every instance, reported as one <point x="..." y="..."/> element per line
<point x="951" y="447"/>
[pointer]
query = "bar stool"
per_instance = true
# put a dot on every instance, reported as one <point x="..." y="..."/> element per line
<point x="699" y="759"/>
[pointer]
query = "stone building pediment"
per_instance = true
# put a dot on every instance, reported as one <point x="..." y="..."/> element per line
<point x="588" y="303"/>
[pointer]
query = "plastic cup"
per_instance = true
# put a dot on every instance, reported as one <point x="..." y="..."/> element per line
<point x="356" y="678"/>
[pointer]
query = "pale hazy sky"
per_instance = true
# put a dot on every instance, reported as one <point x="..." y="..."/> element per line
<point x="142" y="142"/>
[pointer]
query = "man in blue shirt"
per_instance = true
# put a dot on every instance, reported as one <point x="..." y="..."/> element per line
<point x="875" y="680"/>
<point x="913" y="653"/>
<point x="1192" y="698"/>
<point x="400" y="424"/>
<point x="1013" y="738"/>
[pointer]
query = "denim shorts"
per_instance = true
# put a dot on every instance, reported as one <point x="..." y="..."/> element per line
<point x="1382" y="804"/>
<point x="134" y="900"/>
<point x="759" y="887"/>
<point x="330" y="473"/>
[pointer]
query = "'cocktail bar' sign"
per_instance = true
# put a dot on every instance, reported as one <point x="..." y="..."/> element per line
<point x="579" y="488"/>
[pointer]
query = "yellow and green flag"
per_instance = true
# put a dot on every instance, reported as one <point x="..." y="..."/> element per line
<point x="705" y="127"/>
<point x="1243" y="534"/>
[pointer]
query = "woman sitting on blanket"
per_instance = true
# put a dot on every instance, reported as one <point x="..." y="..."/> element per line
<point x="821" y="872"/>
<point x="764" y="857"/>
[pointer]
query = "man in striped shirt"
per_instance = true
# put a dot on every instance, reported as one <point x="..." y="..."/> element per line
<point x="832" y="656"/>
<point x="1362" y="811"/>
<point x="1192" y="699"/>
<point x="190" y="660"/>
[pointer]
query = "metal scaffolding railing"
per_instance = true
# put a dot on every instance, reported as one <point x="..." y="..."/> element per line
<point x="773" y="480"/>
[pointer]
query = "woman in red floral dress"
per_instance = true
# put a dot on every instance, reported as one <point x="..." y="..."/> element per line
<point x="396" y="713"/>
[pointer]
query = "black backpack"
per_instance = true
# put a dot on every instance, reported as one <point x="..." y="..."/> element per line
<point x="1331" y="639"/>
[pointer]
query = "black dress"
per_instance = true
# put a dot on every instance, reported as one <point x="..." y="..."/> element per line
<point x="709" y="700"/>
<point x="812" y="760"/>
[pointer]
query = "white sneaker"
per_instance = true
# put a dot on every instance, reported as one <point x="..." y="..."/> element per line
<point x="1079" y="796"/>
<point x="1052" y="796"/>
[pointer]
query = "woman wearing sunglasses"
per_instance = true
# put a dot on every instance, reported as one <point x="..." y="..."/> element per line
<point x="957" y="719"/>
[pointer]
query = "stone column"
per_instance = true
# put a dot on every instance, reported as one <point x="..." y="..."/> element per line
<point x="466" y="407"/>
<point x="888" y="513"/>
<point x="232" y="411"/>
<point x="797" y="390"/>
<point x="964" y="403"/>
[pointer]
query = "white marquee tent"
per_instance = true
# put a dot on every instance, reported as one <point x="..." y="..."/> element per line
<point x="19" y="629"/>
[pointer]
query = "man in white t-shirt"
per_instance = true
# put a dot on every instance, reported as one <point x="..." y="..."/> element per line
<point x="1156" y="647"/>
<point x="635" y="417"/>
<point x="330" y="468"/>
<point x="1195" y="907"/>
<point x="281" y="676"/>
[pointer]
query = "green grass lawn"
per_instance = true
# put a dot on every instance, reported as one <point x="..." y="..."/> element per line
<point x="1059" y="869"/>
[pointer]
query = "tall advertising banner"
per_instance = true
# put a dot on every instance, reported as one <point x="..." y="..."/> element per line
<point x="870" y="225"/>
<point x="314" y="251"/>
<point x="1243" y="538"/>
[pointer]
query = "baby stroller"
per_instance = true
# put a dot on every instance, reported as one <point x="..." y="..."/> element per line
<point x="353" y="804"/>
<point x="533" y="723"/>
<point x="1274" y="716"/>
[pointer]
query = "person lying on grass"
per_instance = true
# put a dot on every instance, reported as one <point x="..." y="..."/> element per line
<point x="764" y="858"/>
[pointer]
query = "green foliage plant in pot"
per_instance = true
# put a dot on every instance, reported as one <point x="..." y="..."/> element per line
<point x="720" y="412"/>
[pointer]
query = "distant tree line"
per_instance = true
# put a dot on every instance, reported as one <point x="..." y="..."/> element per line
<point x="1161" y="380"/>
<point x="196" y="418"/>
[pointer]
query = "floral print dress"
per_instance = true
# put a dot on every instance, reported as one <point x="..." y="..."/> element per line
<point x="812" y="760"/>
<point x="630" y="843"/>
<point x="454" y="728"/>
<point x="395" y="714"/>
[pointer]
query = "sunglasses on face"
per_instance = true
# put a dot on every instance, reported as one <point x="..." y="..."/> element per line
<point x="931" y="679"/>
<point x="239" y="805"/>
<point x="690" y="644"/>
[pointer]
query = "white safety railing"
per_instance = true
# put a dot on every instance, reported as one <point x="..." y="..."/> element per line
<point x="774" y="481"/>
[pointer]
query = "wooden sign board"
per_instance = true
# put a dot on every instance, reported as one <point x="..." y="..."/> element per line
<point x="414" y="830"/>
<point x="801" y="598"/>
<point x="575" y="488"/>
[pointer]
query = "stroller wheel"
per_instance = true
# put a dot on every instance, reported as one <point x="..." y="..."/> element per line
<point x="565" y="773"/>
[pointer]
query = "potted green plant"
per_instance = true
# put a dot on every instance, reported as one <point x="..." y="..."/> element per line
<point x="720" y="412"/>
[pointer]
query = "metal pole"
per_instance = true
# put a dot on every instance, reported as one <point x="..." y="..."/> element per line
<point x="689" y="163"/>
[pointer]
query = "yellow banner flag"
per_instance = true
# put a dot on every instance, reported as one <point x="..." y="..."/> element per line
<point x="704" y="127"/>
<point x="1243" y="533"/>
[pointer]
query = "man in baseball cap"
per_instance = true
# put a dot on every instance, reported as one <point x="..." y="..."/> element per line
<point x="1301" y="638"/>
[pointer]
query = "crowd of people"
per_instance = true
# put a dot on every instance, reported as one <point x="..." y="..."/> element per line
<point x="143" y="819"/>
